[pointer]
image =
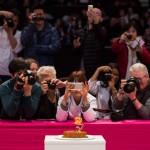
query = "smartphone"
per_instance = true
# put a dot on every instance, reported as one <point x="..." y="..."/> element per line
<point x="77" y="85"/>
<point x="90" y="7"/>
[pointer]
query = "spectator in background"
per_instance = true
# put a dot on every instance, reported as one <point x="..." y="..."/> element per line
<point x="19" y="97"/>
<point x="130" y="49"/>
<point x="39" y="38"/>
<point x="76" y="102"/>
<point x="89" y="42"/>
<point x="105" y="83"/>
<point x="33" y="66"/>
<point x="135" y="101"/>
<point x="10" y="43"/>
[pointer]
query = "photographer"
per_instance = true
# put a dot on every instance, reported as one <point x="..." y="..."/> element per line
<point x="10" y="44"/>
<point x="103" y="84"/>
<point x="50" y="93"/>
<point x="89" y="43"/>
<point x="134" y="96"/>
<point x="76" y="101"/>
<point x="39" y="38"/>
<point x="130" y="49"/>
<point x="19" y="95"/>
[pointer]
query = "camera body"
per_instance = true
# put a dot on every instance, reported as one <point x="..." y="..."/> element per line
<point x="131" y="84"/>
<point x="129" y="36"/>
<point x="105" y="76"/>
<point x="31" y="77"/>
<point x="51" y="85"/>
<point x="10" y="23"/>
<point x="36" y="18"/>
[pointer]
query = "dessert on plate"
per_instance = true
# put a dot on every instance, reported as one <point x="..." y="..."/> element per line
<point x="77" y="133"/>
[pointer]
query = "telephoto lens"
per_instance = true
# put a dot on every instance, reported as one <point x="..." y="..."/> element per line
<point x="131" y="84"/>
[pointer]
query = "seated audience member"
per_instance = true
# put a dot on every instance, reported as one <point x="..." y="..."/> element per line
<point x="134" y="96"/>
<point x="19" y="95"/>
<point x="104" y="83"/>
<point x="77" y="101"/>
<point x="130" y="49"/>
<point x="10" y="44"/>
<point x="49" y="99"/>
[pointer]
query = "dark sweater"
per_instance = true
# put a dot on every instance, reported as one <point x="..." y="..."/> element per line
<point x="15" y="105"/>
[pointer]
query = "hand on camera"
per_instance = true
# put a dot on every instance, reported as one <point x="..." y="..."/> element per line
<point x="27" y="87"/>
<point x="31" y="15"/>
<point x="44" y="87"/>
<point x="67" y="93"/>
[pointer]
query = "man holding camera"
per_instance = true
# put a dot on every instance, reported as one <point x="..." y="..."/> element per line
<point x="39" y="38"/>
<point x="134" y="96"/>
<point x="9" y="41"/>
<point x="20" y="95"/>
<point x="89" y="43"/>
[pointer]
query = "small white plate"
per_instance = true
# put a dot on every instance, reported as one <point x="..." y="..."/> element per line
<point x="60" y="137"/>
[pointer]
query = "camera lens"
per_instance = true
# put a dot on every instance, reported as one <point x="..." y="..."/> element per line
<point x="129" y="36"/>
<point x="31" y="77"/>
<point x="10" y="23"/>
<point x="129" y="87"/>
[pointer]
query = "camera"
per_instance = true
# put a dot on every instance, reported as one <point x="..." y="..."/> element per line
<point x="75" y="36"/>
<point x="105" y="76"/>
<point x="10" y="23"/>
<point x="77" y="85"/>
<point x="129" y="36"/>
<point x="131" y="84"/>
<point x="36" y="18"/>
<point x="51" y="85"/>
<point x="31" y="77"/>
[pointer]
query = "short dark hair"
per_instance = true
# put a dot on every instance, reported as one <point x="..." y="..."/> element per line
<point x="16" y="65"/>
<point x="38" y="6"/>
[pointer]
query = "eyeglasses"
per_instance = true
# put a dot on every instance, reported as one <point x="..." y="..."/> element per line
<point x="140" y="78"/>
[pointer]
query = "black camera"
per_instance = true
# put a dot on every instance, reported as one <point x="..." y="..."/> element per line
<point x="36" y="18"/>
<point x="51" y="85"/>
<point x="131" y="84"/>
<point x="31" y="77"/>
<point x="105" y="76"/>
<point x="10" y="23"/>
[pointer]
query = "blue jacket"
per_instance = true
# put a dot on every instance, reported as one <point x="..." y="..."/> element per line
<point x="42" y="45"/>
<point x="15" y="105"/>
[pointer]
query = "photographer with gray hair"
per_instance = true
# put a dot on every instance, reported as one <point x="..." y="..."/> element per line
<point x="134" y="96"/>
<point x="49" y="99"/>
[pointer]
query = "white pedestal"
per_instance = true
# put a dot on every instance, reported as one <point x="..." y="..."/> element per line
<point x="95" y="143"/>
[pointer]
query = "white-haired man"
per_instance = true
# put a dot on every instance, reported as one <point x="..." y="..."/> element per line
<point x="134" y="96"/>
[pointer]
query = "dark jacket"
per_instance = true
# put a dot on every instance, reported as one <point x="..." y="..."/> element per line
<point x="42" y="45"/>
<point x="91" y="49"/>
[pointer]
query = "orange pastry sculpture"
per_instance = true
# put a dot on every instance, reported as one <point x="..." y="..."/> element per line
<point x="76" y="133"/>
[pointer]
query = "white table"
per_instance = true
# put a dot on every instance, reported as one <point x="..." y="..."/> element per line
<point x="57" y="143"/>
